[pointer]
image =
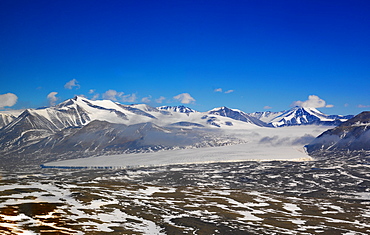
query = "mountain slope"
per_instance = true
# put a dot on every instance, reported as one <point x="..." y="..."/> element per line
<point x="265" y="116"/>
<point x="103" y="138"/>
<point x="29" y="127"/>
<point x="352" y="135"/>
<point x="33" y="125"/>
<point x="5" y="119"/>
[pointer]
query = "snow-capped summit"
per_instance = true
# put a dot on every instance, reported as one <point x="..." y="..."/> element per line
<point x="178" y="109"/>
<point x="236" y="115"/>
<point x="305" y="116"/>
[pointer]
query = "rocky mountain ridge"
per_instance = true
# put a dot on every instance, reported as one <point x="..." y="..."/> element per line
<point x="350" y="136"/>
<point x="80" y="127"/>
<point x="79" y="111"/>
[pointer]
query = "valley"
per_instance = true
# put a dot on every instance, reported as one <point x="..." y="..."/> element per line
<point x="108" y="168"/>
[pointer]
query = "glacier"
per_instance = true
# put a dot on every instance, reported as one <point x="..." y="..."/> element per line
<point x="259" y="144"/>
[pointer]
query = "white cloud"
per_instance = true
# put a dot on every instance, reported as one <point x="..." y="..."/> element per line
<point x="267" y="107"/>
<point x="95" y="97"/>
<point x="184" y="98"/>
<point x="8" y="100"/>
<point x="112" y="95"/>
<point x="218" y="90"/>
<point x="73" y="83"/>
<point x="129" y="98"/>
<point x="146" y="99"/>
<point x="229" y="91"/>
<point x="160" y="100"/>
<point x="52" y="98"/>
<point x="363" y="106"/>
<point x="313" y="102"/>
<point x="115" y="96"/>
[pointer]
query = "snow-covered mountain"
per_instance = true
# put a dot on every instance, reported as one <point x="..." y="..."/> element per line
<point x="35" y="124"/>
<point x="236" y="115"/>
<point x="303" y="116"/>
<point x="180" y="109"/>
<point x="352" y="135"/>
<point x="80" y="127"/>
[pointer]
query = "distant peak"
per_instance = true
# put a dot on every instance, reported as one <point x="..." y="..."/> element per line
<point x="79" y="97"/>
<point x="301" y="107"/>
<point x="219" y="108"/>
<point x="180" y="109"/>
<point x="72" y="101"/>
<point x="223" y="108"/>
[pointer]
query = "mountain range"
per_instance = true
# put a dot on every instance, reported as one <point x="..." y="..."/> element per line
<point x="80" y="127"/>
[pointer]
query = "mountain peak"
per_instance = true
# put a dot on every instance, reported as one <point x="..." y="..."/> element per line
<point x="178" y="109"/>
<point x="224" y="108"/>
<point x="305" y="116"/>
<point x="236" y="115"/>
<point x="80" y="98"/>
<point x="74" y="100"/>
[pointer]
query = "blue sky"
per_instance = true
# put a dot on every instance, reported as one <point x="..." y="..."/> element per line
<point x="250" y="55"/>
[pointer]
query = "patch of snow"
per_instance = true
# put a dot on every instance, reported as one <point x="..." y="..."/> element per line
<point x="150" y="190"/>
<point x="291" y="207"/>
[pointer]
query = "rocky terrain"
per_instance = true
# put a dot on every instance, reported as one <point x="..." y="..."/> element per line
<point x="328" y="196"/>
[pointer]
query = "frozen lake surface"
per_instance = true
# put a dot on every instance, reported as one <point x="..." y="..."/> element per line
<point x="240" y="152"/>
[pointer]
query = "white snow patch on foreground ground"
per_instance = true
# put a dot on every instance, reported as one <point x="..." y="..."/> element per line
<point x="262" y="144"/>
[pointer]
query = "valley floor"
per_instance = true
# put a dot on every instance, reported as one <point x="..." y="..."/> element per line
<point x="328" y="196"/>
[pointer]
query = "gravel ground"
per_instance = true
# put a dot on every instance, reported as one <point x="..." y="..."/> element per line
<point x="327" y="196"/>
